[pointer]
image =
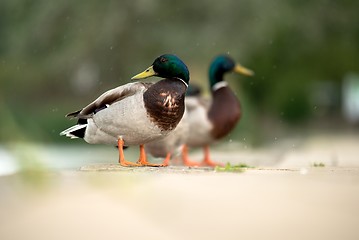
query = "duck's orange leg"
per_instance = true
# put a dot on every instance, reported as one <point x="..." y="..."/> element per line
<point x="186" y="161"/>
<point x="142" y="161"/>
<point x="123" y="162"/>
<point x="207" y="160"/>
<point x="166" y="161"/>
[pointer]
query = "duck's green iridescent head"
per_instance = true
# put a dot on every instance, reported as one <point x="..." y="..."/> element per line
<point x="166" y="66"/>
<point x="223" y="64"/>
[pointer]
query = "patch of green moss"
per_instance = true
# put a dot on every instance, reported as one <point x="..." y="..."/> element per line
<point x="318" y="164"/>
<point x="232" y="168"/>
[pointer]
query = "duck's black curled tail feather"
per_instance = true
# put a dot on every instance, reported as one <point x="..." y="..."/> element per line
<point x="77" y="131"/>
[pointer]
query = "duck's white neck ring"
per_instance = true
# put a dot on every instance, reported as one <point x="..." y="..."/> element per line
<point x="182" y="81"/>
<point x="219" y="85"/>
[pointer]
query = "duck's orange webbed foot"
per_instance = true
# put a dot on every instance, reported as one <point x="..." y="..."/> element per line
<point x="142" y="161"/>
<point x="186" y="161"/>
<point x="166" y="161"/>
<point x="123" y="162"/>
<point x="207" y="160"/>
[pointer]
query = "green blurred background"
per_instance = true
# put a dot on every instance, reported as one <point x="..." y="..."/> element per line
<point x="56" y="56"/>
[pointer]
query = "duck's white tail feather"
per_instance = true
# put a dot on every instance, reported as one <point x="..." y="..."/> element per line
<point x="73" y="131"/>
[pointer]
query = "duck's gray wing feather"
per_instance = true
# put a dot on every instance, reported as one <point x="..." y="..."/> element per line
<point x="108" y="98"/>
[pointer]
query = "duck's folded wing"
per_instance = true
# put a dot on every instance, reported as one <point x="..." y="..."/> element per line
<point x="108" y="98"/>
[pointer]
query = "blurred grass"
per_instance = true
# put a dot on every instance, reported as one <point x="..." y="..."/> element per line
<point x="56" y="56"/>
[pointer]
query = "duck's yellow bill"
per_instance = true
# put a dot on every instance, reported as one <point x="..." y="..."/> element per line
<point x="149" y="72"/>
<point x="242" y="70"/>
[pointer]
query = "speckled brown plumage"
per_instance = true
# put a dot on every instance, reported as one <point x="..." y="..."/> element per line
<point x="164" y="103"/>
<point x="224" y="113"/>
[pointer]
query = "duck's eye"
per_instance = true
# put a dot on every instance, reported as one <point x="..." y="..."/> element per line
<point x="162" y="59"/>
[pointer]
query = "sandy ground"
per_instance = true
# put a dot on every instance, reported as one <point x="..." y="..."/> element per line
<point x="283" y="197"/>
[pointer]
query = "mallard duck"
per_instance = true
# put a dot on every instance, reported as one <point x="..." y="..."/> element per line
<point x="210" y="121"/>
<point x="171" y="145"/>
<point x="136" y="113"/>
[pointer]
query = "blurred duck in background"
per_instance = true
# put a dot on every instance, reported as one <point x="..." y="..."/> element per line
<point x="136" y="113"/>
<point x="211" y="120"/>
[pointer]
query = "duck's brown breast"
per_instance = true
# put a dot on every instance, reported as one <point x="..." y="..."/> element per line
<point x="164" y="102"/>
<point x="224" y="113"/>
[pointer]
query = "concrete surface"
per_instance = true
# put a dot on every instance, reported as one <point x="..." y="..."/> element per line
<point x="283" y="197"/>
